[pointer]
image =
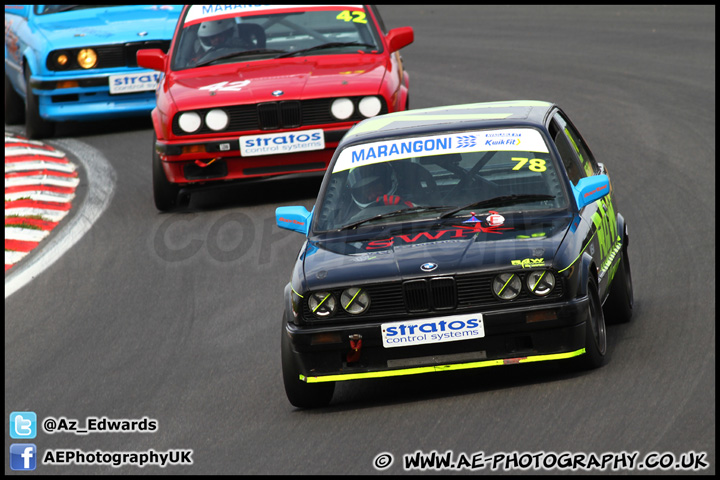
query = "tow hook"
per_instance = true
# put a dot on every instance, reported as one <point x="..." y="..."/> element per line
<point x="202" y="164"/>
<point x="355" y="346"/>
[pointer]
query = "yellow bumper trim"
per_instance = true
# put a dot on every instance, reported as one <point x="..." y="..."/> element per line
<point x="440" y="368"/>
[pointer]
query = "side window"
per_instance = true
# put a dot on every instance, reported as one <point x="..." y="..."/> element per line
<point x="587" y="161"/>
<point x="567" y="154"/>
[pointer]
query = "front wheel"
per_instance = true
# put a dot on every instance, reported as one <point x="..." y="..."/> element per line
<point x="14" y="105"/>
<point x="595" y="334"/>
<point x="300" y="393"/>
<point x="165" y="193"/>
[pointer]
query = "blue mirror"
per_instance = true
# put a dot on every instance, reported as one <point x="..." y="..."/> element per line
<point x="296" y="219"/>
<point x="590" y="189"/>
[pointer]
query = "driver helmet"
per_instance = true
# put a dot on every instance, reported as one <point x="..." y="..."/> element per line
<point x="215" y="33"/>
<point x="370" y="182"/>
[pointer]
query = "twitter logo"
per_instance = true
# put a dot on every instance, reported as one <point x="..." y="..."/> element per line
<point x="23" y="425"/>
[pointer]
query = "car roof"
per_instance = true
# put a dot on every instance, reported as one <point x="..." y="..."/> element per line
<point x="450" y="118"/>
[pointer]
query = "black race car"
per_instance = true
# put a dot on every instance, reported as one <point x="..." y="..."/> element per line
<point x="453" y="238"/>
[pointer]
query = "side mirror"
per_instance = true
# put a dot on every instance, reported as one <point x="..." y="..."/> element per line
<point x="398" y="38"/>
<point x="152" y="58"/>
<point x="296" y="219"/>
<point x="590" y="189"/>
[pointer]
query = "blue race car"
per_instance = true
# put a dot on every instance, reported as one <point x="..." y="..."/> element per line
<point x="80" y="62"/>
<point x="454" y="238"/>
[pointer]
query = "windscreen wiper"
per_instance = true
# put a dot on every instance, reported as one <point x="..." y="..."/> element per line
<point x="499" y="202"/>
<point x="394" y="213"/>
<point x="327" y="45"/>
<point x="239" y="54"/>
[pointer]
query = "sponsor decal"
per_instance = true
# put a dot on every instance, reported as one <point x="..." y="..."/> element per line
<point x="495" y="219"/>
<point x="290" y="220"/>
<point x="200" y="13"/>
<point x="287" y="142"/>
<point x="519" y="139"/>
<point x="454" y="233"/>
<point x="133" y="82"/>
<point x="433" y="330"/>
<point x="529" y="262"/>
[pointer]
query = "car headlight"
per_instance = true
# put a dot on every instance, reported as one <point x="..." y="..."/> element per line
<point x="322" y="304"/>
<point x="369" y="106"/>
<point x="87" y="58"/>
<point x="540" y="282"/>
<point x="59" y="60"/>
<point x="342" y="108"/>
<point x="506" y="286"/>
<point x="216" y="119"/>
<point x="355" y="300"/>
<point x="189" y="122"/>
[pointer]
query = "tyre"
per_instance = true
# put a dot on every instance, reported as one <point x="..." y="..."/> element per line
<point x="165" y="193"/>
<point x="14" y="105"/>
<point x="595" y="333"/>
<point x="299" y="393"/>
<point x="35" y="126"/>
<point x="619" y="305"/>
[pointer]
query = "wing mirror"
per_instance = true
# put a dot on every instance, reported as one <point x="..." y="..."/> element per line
<point x="296" y="219"/>
<point x="398" y="38"/>
<point x="152" y="58"/>
<point x="590" y="189"/>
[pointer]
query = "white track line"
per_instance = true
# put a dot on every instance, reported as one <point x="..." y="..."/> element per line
<point x="101" y="189"/>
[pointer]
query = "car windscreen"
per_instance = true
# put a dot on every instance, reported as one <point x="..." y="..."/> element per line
<point x="439" y="176"/>
<point x="240" y="33"/>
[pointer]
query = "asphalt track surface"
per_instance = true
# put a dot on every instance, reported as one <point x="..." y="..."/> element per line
<point x="176" y="317"/>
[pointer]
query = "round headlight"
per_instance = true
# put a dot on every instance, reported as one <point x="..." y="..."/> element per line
<point x="506" y="286"/>
<point x="369" y="106"/>
<point x="540" y="282"/>
<point x="355" y="300"/>
<point x="87" y="58"/>
<point x="216" y="119"/>
<point x="61" y="60"/>
<point x="189" y="122"/>
<point x="322" y="304"/>
<point x="342" y="108"/>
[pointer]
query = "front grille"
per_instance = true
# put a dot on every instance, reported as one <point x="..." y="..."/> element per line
<point x="468" y="292"/>
<point x="276" y="115"/>
<point x="433" y="294"/>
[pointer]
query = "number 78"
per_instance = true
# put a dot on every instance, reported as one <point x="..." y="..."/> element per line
<point x="536" y="164"/>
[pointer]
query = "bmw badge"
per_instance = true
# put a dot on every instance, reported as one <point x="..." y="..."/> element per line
<point x="428" y="267"/>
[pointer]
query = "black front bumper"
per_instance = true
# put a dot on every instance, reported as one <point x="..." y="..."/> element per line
<point x="325" y="353"/>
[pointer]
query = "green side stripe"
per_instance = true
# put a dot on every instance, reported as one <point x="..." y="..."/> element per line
<point x="581" y="252"/>
<point x="440" y="368"/>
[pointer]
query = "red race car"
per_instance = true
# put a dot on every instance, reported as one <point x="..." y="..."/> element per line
<point x="255" y="91"/>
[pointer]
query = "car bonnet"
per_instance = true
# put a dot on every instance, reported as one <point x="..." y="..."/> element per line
<point x="487" y="242"/>
<point x="101" y="26"/>
<point x="297" y="78"/>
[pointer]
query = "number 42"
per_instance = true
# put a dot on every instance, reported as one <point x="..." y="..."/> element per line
<point x="348" y="16"/>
